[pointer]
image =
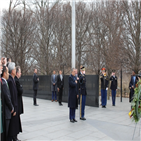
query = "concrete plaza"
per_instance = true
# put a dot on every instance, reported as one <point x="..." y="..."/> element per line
<point x="49" y="121"/>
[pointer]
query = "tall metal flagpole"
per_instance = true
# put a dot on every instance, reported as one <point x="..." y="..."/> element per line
<point x="73" y="33"/>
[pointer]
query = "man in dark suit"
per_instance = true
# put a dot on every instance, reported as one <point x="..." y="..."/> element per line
<point x="72" y="99"/>
<point x="54" y="86"/>
<point x="8" y="107"/>
<point x="19" y="90"/>
<point x="113" y="87"/>
<point x="60" y="86"/>
<point x="132" y="85"/>
<point x="15" y="123"/>
<point x="35" y="87"/>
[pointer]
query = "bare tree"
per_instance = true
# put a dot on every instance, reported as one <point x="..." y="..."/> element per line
<point x="82" y="24"/>
<point x="62" y="36"/>
<point x="17" y="37"/>
<point x="132" y="34"/>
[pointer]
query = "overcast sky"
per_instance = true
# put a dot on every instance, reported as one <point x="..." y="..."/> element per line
<point x="4" y="4"/>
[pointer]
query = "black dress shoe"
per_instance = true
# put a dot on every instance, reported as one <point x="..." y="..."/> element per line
<point x="103" y="106"/>
<point x="60" y="104"/>
<point x="36" y="105"/>
<point x="74" y="120"/>
<point x="83" y="118"/>
<point x="15" y="139"/>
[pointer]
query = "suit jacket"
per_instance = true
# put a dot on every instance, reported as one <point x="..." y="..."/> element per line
<point x="113" y="83"/>
<point x="72" y="99"/>
<point x="20" y="92"/>
<point x="52" y="86"/>
<point x="35" y="82"/>
<point x="132" y="81"/>
<point x="8" y="107"/>
<point x="131" y="89"/>
<point x="60" y="83"/>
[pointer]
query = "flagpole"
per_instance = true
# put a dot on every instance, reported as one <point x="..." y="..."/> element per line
<point x="73" y="33"/>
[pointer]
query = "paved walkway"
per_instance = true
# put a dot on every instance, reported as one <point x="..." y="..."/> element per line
<point x="49" y="121"/>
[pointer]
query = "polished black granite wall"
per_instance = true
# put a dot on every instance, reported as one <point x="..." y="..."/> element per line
<point x="44" y="91"/>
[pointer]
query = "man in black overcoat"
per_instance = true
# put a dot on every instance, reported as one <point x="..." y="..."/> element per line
<point x="15" y="123"/>
<point x="60" y="86"/>
<point x="72" y="99"/>
<point x="35" y="87"/>
<point x="19" y="90"/>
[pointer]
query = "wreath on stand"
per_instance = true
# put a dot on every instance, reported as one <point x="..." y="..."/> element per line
<point x="135" y="113"/>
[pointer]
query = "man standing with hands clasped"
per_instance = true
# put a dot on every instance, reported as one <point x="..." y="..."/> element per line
<point x="113" y="87"/>
<point x="54" y="86"/>
<point x="35" y="87"/>
<point x="60" y="86"/>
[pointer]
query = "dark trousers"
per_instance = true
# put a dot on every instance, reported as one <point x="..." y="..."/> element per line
<point x="54" y="95"/>
<point x="2" y="136"/>
<point x="7" y="123"/>
<point x="82" y="105"/>
<point x="12" y="138"/>
<point x="131" y="95"/>
<point x="60" y="93"/>
<point x="72" y="113"/>
<point x="113" y="97"/>
<point x="104" y="97"/>
<point x="34" y="97"/>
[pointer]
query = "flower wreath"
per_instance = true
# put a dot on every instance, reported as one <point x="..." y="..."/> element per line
<point x="135" y="113"/>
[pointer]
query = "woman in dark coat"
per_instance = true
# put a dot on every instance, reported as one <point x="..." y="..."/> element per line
<point x="15" y="123"/>
<point x="72" y="99"/>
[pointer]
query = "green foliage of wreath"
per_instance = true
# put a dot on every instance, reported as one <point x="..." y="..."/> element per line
<point x="136" y="103"/>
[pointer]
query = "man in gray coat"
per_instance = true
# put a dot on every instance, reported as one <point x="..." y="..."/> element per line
<point x="54" y="86"/>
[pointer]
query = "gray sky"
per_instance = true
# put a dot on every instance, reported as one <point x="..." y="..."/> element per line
<point x="5" y="3"/>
